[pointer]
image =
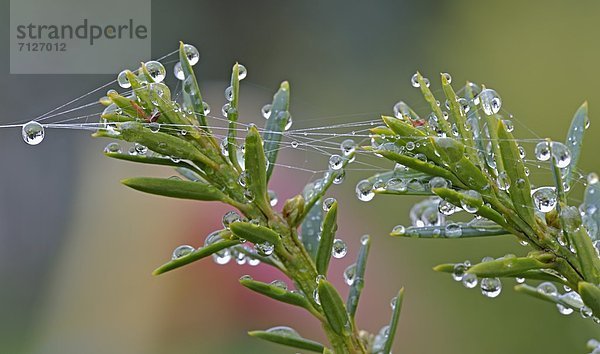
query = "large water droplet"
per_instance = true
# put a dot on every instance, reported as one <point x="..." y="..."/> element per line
<point x="242" y="73"/>
<point x="336" y="162"/>
<point x="542" y="151"/>
<point x="229" y="93"/>
<point x="561" y="154"/>
<point x="447" y="208"/>
<point x="491" y="287"/>
<point x="280" y="284"/>
<point x="230" y="217"/>
<point x="266" y="111"/>
<point x="178" y="71"/>
<point x="327" y="203"/>
<point x="182" y="251"/>
<point x="122" y="79"/>
<point x="490" y="101"/>
<point x="471" y="201"/>
<point x="544" y="199"/>
<point x="339" y="249"/>
<point x="350" y="274"/>
<point x="438" y="182"/>
<point x="156" y="70"/>
<point x="192" y="54"/>
<point x="459" y="271"/>
<point x="114" y="148"/>
<point x="414" y="80"/>
<point x="33" y="133"/>
<point x="453" y="230"/>
<point x="547" y="288"/>
<point x="572" y="299"/>
<point x="447" y="77"/>
<point x="399" y="230"/>
<point x="348" y="146"/>
<point x="265" y="248"/>
<point x="469" y="280"/>
<point x="364" y="191"/>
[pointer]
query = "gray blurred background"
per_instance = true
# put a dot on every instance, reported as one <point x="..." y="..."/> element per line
<point x="77" y="248"/>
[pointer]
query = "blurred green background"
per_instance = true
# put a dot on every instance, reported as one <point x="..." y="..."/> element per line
<point x="77" y="248"/>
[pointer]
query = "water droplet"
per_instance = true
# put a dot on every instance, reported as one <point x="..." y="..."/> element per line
<point x="32" y="133"/>
<point x="222" y="257"/>
<point x="399" y="230"/>
<point x="230" y="217"/>
<point x="544" y="199"/>
<point x="350" y="274"/>
<point x="491" y="287"/>
<point x="249" y="195"/>
<point x="520" y="280"/>
<point x="348" y="146"/>
<point x="288" y="117"/>
<point x="338" y="176"/>
<point x="294" y="144"/>
<point x="438" y="182"/>
<point x="264" y="249"/>
<point x="547" y="288"/>
<point x="156" y="70"/>
<point x="592" y="178"/>
<point x="469" y="280"/>
<point x="448" y="77"/>
<point x="561" y="154"/>
<point x="182" y="251"/>
<point x="140" y="149"/>
<point x="154" y="127"/>
<point x="508" y="124"/>
<point x="113" y="148"/>
<point x="459" y="271"/>
<point x="266" y="111"/>
<point x="410" y="146"/>
<point x="414" y="80"/>
<point x="122" y="79"/>
<point x="192" y="54"/>
<point x="283" y="330"/>
<point x="446" y="207"/>
<point x="226" y="109"/>
<point x="364" y="191"/>
<point x="572" y="299"/>
<point x="205" y="108"/>
<point x="503" y="181"/>
<point x="336" y="162"/>
<point x="339" y="248"/>
<point x="327" y="203"/>
<point x="246" y="277"/>
<point x="490" y="101"/>
<point x="453" y="230"/>
<point x="229" y="93"/>
<point x="585" y="312"/>
<point x="471" y="202"/>
<point x="178" y="71"/>
<point x="273" y="200"/>
<point x="242" y="72"/>
<point x="364" y="239"/>
<point x="542" y="151"/>
<point x="279" y="284"/>
<point x="316" y="297"/>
